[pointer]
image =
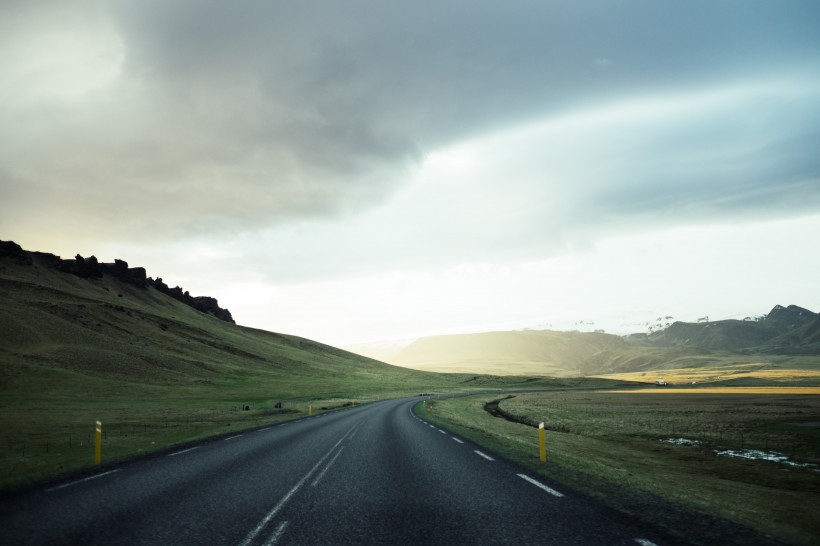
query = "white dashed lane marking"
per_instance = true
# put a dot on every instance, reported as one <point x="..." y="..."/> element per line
<point x="480" y="454"/>
<point x="277" y="534"/>
<point x="183" y="451"/>
<point x="284" y="500"/>
<point x="75" y="482"/>
<point x="540" y="485"/>
<point x="457" y="440"/>
<point x="325" y="469"/>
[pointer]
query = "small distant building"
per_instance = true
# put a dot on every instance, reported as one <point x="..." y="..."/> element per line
<point x="660" y="383"/>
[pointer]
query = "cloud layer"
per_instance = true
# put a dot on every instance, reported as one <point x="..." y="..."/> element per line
<point x="388" y="149"/>
<point x="165" y="119"/>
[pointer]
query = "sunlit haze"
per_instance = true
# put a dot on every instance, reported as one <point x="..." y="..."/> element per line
<point x="365" y="172"/>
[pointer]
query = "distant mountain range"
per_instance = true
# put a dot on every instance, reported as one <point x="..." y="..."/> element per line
<point x="785" y="330"/>
<point x="788" y="330"/>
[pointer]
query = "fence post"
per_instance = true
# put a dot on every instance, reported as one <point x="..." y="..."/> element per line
<point x="542" y="441"/>
<point x="98" y="444"/>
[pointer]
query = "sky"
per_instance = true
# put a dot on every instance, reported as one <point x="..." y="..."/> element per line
<point x="354" y="171"/>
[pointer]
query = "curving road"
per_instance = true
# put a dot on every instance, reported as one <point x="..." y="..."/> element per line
<point x="375" y="474"/>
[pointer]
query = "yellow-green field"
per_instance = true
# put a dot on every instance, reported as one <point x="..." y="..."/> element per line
<point x="724" y="390"/>
<point x="796" y="371"/>
<point x="626" y="447"/>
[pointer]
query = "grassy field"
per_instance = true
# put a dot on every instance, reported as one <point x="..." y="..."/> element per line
<point x="768" y="370"/>
<point x="723" y="390"/>
<point x="626" y="448"/>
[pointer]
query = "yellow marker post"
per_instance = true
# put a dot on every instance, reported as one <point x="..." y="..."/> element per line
<point x="542" y="440"/>
<point x="98" y="444"/>
<point x="310" y="410"/>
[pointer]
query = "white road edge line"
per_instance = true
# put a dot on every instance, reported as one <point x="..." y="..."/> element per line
<point x="431" y="426"/>
<point x="457" y="440"/>
<point x="274" y="538"/>
<point x="232" y="437"/>
<point x="441" y="431"/>
<point x="540" y="485"/>
<point x="261" y="429"/>
<point x="174" y="454"/>
<point x="325" y="469"/>
<point x="480" y="454"/>
<point x="294" y="489"/>
<point x="75" y="482"/>
<point x="644" y="542"/>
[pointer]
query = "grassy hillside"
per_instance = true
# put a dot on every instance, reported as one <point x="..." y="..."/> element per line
<point x="105" y="329"/>
<point x="155" y="371"/>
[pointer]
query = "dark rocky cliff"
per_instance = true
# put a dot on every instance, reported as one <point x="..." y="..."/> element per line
<point x="91" y="268"/>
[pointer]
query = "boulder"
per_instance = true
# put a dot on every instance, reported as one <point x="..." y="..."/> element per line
<point x="13" y="251"/>
<point x="130" y="275"/>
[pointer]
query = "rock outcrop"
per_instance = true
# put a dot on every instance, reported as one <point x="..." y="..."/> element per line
<point x="91" y="268"/>
<point x="132" y="275"/>
<point x="13" y="251"/>
<point x="204" y="304"/>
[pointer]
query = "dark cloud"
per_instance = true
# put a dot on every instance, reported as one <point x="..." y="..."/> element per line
<point x="234" y="116"/>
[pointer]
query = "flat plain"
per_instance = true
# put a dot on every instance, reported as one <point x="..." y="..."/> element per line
<point x="748" y="457"/>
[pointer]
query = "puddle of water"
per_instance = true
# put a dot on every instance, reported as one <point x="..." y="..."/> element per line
<point x="682" y="442"/>
<point x="753" y="454"/>
<point x="807" y="424"/>
<point x="756" y="454"/>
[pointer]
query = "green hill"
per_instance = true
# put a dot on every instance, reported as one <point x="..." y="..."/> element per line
<point x="103" y="329"/>
<point x="538" y="352"/>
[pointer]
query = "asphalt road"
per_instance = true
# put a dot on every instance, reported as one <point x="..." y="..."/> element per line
<point x="373" y="474"/>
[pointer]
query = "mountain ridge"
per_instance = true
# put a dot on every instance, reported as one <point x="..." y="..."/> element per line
<point x="790" y="330"/>
<point x="784" y="330"/>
